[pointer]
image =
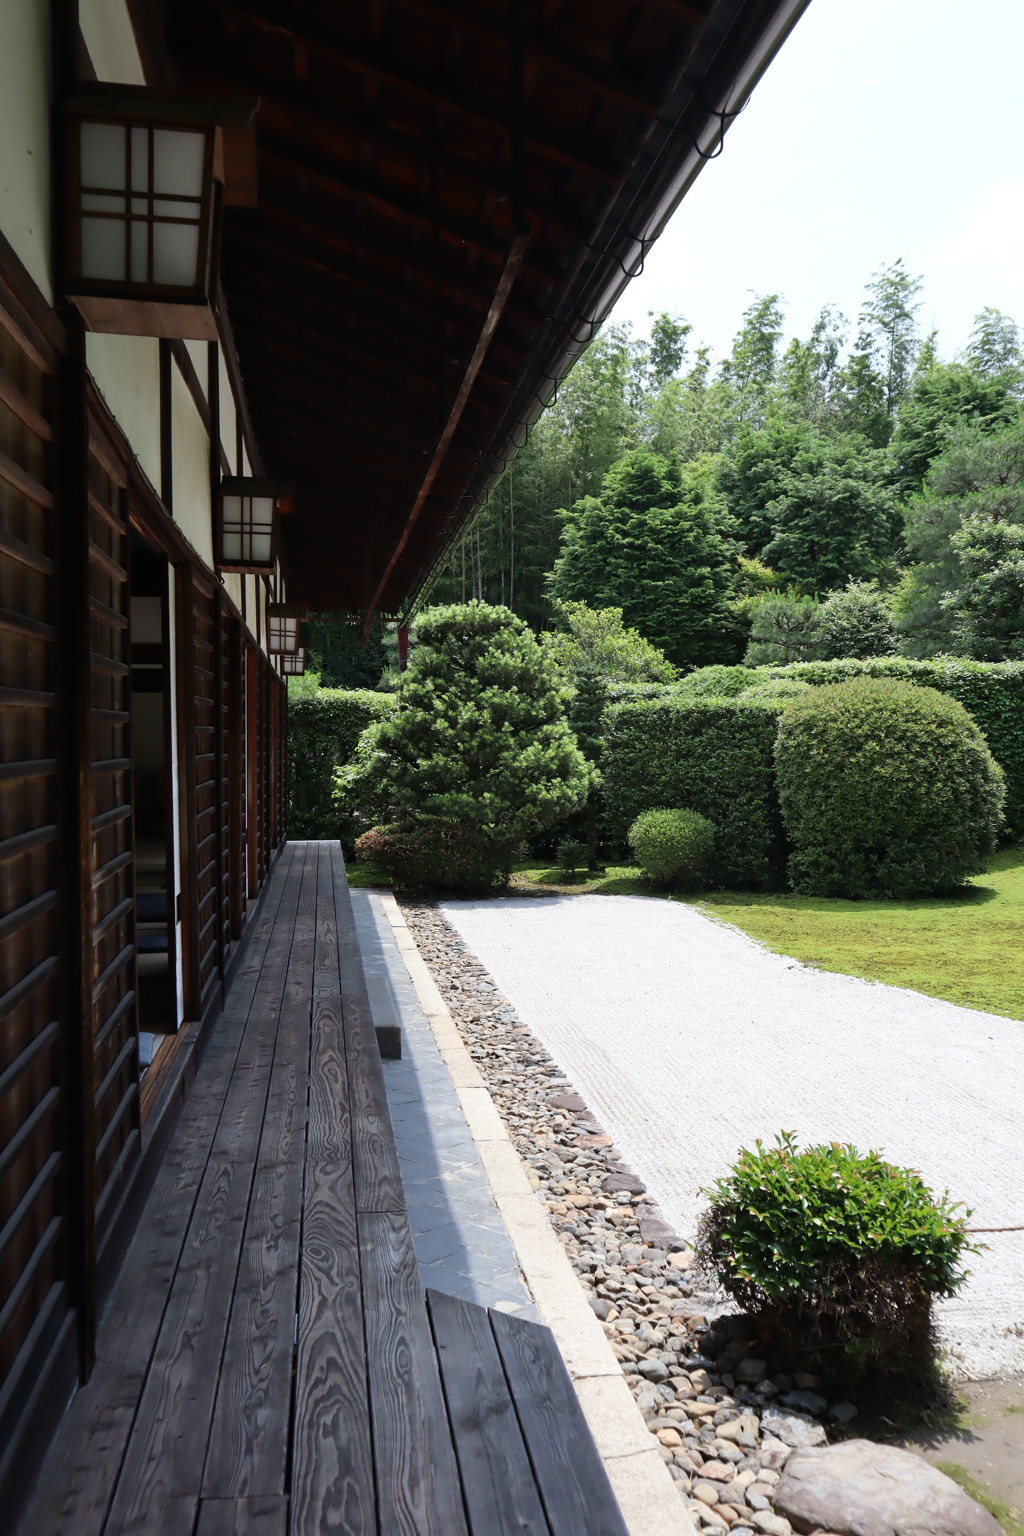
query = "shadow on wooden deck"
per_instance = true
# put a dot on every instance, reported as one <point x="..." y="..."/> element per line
<point x="266" y="1364"/>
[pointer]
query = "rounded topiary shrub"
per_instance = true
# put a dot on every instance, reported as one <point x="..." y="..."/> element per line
<point x="836" y="1257"/>
<point x="435" y="854"/>
<point x="672" y="847"/>
<point x="886" y="790"/>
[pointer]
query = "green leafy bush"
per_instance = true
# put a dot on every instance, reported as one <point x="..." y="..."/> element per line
<point x="479" y="738"/>
<point x="992" y="692"/>
<point x="717" y="682"/>
<point x="672" y="847"/>
<point x="712" y="755"/>
<point x="835" y="1254"/>
<point x="435" y="854"/>
<point x="886" y="790"/>
<point x="323" y="732"/>
<point x="571" y="855"/>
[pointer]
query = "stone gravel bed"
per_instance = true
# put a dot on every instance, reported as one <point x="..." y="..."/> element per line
<point x="724" y="1422"/>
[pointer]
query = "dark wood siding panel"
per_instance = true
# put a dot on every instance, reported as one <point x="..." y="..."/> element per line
<point x="32" y="1197"/>
<point x="111" y="961"/>
<point x="236" y="774"/>
<point x="206" y="824"/>
<point x="222" y="743"/>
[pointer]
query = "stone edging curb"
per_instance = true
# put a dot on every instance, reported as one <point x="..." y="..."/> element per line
<point x="646" y="1492"/>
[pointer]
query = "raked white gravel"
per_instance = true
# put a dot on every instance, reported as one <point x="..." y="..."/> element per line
<point x="689" y="1040"/>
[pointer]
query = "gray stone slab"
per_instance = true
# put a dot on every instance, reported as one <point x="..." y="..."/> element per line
<point x="461" y="1241"/>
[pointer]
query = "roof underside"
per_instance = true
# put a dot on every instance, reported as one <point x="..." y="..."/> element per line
<point x="450" y="192"/>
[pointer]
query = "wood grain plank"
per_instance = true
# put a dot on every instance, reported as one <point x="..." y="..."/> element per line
<point x="260" y="1516"/>
<point x="167" y="1449"/>
<point x="377" y="1179"/>
<point x="248" y="1449"/>
<point x="83" y="1462"/>
<point x="332" y="1485"/>
<point x="497" y="1479"/>
<point x="577" y="1496"/>
<point x="418" y="1491"/>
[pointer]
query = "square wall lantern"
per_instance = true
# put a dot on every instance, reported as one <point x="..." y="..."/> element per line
<point x="147" y="174"/>
<point x="293" y="664"/>
<point x="286" y="628"/>
<point x="247" y="518"/>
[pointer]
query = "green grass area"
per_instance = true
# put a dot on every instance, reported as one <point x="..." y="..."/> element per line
<point x="965" y="948"/>
<point x="1006" y="1517"/>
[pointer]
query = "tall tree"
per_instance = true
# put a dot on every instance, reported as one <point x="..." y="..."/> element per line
<point x="655" y="544"/>
<point x="888" y="320"/>
<point x="750" y="369"/>
<point x="994" y="348"/>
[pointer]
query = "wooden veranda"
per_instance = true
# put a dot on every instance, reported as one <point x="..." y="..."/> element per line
<point x="266" y="1363"/>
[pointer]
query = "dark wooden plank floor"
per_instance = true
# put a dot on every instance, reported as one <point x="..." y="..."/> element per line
<point x="266" y="1364"/>
<point x="246" y="1268"/>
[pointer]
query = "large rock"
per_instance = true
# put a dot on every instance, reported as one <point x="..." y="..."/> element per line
<point x="862" y="1489"/>
<point x="798" y="1430"/>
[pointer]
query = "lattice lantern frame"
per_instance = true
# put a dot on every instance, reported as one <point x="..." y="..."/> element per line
<point x="147" y="174"/>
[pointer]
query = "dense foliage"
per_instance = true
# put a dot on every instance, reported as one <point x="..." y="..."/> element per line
<point x="886" y="790"/>
<point x="837" y="1254"/>
<point x="596" y="640"/>
<point x="992" y="694"/>
<point x="672" y="847"/>
<point x="655" y="544"/>
<point x="803" y="468"/>
<point x="435" y="854"/>
<point x="713" y="756"/>
<point x="323" y="732"/>
<point x="479" y="738"/>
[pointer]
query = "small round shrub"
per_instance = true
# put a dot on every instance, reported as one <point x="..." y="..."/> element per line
<point x="886" y="789"/>
<point x="435" y="854"/>
<point x="836" y="1256"/>
<point x="672" y="847"/>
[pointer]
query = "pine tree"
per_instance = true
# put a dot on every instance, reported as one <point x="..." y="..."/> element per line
<point x="586" y="717"/>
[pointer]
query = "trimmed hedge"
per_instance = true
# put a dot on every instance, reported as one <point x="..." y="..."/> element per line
<point x="323" y="732"/>
<point x="714" y="756"/>
<point x="435" y="855"/>
<point x="887" y="790"/>
<point x="992" y="692"/>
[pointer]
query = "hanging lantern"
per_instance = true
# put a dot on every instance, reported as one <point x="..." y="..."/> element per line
<point x="287" y="630"/>
<point x="148" y="172"/>
<point x="247" y="524"/>
<point x="293" y="665"/>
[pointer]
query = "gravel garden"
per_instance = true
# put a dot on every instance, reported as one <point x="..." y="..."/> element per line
<point x="823" y="807"/>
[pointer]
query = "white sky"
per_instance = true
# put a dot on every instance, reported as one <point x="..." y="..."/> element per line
<point x="884" y="128"/>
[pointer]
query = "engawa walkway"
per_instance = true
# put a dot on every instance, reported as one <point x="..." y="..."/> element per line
<point x="266" y="1364"/>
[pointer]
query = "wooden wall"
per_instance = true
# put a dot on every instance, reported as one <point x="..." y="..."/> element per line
<point x="71" y="1132"/>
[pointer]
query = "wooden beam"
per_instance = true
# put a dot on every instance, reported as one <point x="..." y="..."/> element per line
<point x="344" y="181"/>
<point x="338" y="53"/>
<point x="566" y="62"/>
<point x="263" y="283"/>
<point x="504" y="287"/>
<point x="362" y="128"/>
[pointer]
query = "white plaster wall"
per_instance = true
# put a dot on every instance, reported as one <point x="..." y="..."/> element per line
<point x="233" y="588"/>
<point x="200" y="362"/>
<point x="126" y="370"/>
<point x="190" y="470"/>
<point x="110" y="40"/>
<point x="25" y="135"/>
